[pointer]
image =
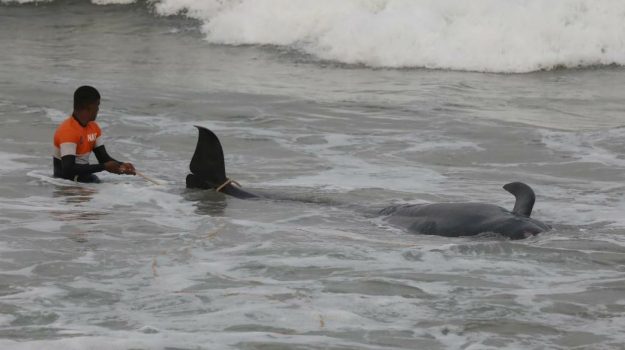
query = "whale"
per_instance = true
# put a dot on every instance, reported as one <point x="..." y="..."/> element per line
<point x="470" y="219"/>
<point x="208" y="171"/>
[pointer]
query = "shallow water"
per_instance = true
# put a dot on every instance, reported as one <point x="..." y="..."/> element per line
<point x="130" y="265"/>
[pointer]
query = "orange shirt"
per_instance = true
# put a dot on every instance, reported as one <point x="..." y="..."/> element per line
<point x="71" y="138"/>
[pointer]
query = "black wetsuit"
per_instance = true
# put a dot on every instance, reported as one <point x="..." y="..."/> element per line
<point x="67" y="168"/>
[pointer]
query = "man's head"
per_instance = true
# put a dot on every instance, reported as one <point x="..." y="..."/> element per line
<point x="86" y="103"/>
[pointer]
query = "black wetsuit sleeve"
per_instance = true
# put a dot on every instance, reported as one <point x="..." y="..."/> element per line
<point x="69" y="168"/>
<point x="102" y="155"/>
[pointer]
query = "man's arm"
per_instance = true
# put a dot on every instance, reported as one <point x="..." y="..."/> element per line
<point x="69" y="168"/>
<point x="104" y="158"/>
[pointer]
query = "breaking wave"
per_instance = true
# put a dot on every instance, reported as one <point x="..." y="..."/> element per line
<point x="507" y="36"/>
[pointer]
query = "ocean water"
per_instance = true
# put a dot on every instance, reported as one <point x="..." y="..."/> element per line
<point x="325" y="105"/>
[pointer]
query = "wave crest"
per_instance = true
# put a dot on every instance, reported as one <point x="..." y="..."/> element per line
<point x="511" y="36"/>
<point x="478" y="35"/>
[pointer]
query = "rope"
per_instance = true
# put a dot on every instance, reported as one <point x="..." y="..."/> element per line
<point x="228" y="182"/>
<point x="148" y="178"/>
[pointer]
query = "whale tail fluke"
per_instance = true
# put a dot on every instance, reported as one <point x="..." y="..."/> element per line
<point x="525" y="198"/>
<point x="207" y="165"/>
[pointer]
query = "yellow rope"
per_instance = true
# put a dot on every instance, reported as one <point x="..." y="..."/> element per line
<point x="228" y="182"/>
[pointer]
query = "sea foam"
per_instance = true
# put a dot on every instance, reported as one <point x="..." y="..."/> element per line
<point x="480" y="35"/>
<point x="507" y="36"/>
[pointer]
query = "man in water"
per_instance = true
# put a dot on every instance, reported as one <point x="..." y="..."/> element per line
<point x="77" y="136"/>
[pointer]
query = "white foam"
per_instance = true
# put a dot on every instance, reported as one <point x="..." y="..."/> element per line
<point x="97" y="2"/>
<point x="55" y="115"/>
<point x="449" y="145"/>
<point x="584" y="146"/>
<point x="6" y="320"/>
<point x="23" y="1"/>
<point x="112" y="2"/>
<point x="10" y="162"/>
<point x="114" y="192"/>
<point x="480" y="35"/>
<point x="350" y="177"/>
<point x="350" y="172"/>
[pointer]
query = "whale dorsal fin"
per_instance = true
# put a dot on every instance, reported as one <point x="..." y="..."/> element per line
<point x="525" y="198"/>
<point x="208" y="159"/>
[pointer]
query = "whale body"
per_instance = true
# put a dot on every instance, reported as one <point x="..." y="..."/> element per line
<point x="444" y="219"/>
<point x="469" y="219"/>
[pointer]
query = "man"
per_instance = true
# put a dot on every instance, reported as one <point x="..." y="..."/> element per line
<point x="77" y="136"/>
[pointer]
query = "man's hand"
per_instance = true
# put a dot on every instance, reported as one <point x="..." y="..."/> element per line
<point x="119" y="168"/>
<point x="112" y="167"/>
<point x="127" y="168"/>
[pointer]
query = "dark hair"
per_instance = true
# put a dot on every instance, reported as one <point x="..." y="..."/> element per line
<point x="84" y="96"/>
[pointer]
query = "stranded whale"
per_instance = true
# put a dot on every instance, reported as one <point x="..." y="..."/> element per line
<point x="468" y="219"/>
<point x="208" y="171"/>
